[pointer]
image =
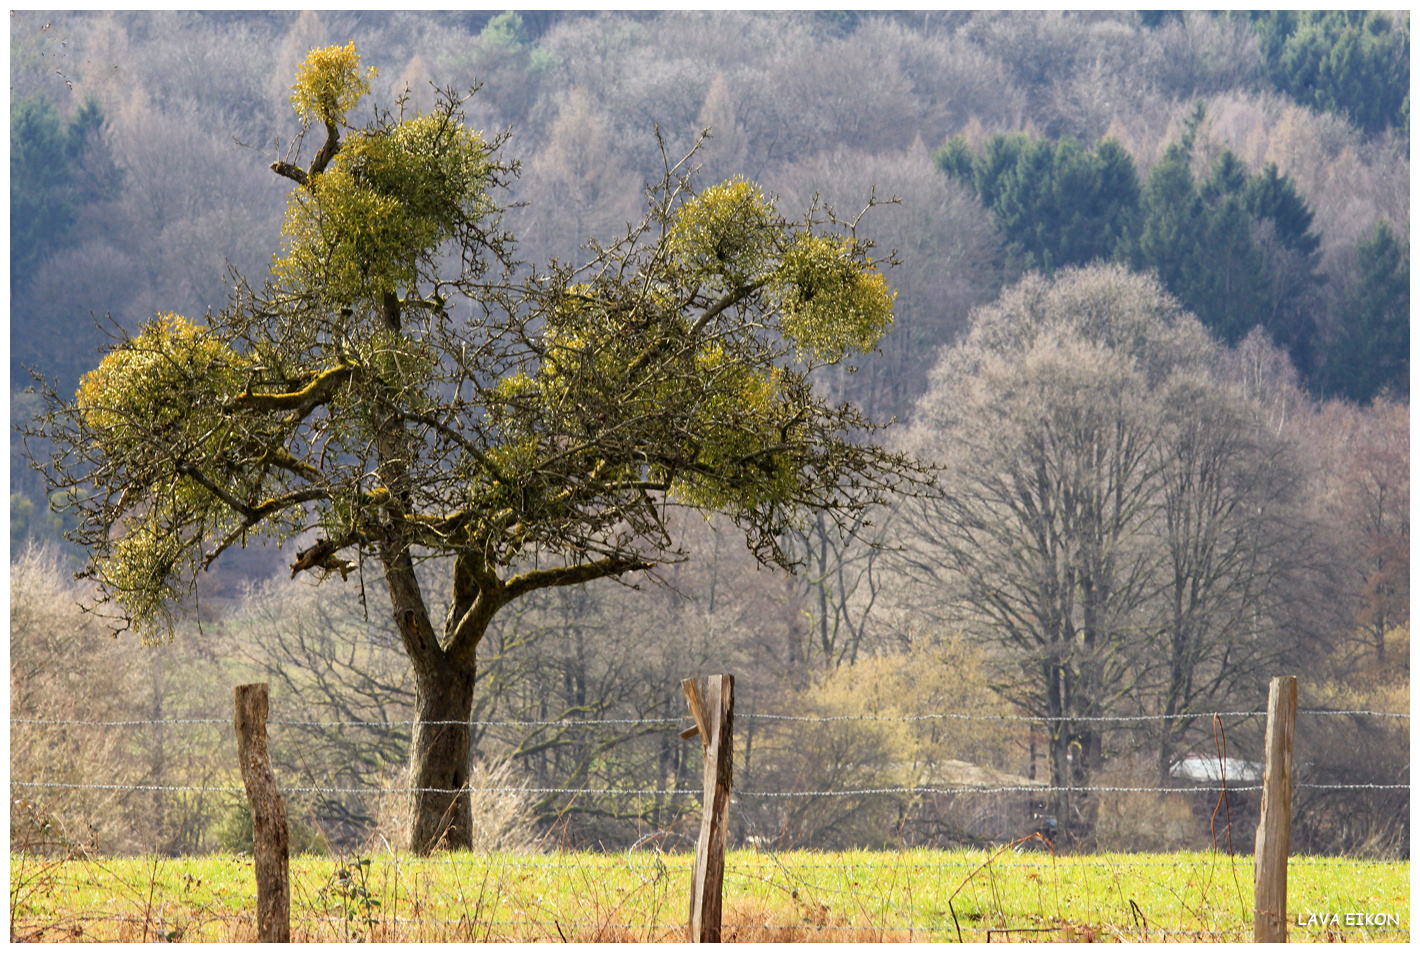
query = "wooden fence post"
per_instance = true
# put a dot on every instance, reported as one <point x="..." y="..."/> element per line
<point x="713" y="708"/>
<point x="270" y="838"/>
<point x="1274" y="828"/>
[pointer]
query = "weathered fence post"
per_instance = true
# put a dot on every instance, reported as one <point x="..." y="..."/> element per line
<point x="713" y="708"/>
<point x="1274" y="828"/>
<point x="270" y="838"/>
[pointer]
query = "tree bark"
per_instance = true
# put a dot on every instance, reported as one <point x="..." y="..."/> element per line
<point x="440" y="811"/>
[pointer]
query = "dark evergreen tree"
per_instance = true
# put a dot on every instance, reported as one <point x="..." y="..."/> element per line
<point x="53" y="174"/>
<point x="1171" y="222"/>
<point x="1272" y="196"/>
<point x="1370" y="353"/>
<point x="1237" y="249"/>
<point x="1352" y="62"/>
<point x="1058" y="203"/>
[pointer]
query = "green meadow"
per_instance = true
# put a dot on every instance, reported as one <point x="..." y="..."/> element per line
<point x="873" y="896"/>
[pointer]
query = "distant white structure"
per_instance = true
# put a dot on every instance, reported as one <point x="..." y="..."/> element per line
<point x="1200" y="768"/>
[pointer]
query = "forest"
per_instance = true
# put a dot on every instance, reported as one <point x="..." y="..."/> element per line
<point x="1150" y="333"/>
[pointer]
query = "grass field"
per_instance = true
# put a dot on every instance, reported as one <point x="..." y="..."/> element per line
<point x="853" y="896"/>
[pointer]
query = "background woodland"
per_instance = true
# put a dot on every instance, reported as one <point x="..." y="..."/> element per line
<point x="1259" y="167"/>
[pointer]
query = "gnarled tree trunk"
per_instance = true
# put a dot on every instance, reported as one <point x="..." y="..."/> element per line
<point x="440" y="814"/>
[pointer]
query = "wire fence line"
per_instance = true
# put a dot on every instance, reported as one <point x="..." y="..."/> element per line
<point x="747" y="716"/>
<point x="696" y="792"/>
<point x="656" y="859"/>
<point x="1040" y="788"/>
<point x="820" y="885"/>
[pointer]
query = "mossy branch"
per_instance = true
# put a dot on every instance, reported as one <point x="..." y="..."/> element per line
<point x="302" y="401"/>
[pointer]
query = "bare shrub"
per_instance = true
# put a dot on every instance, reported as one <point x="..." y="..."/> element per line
<point x="1145" y="821"/>
<point x="502" y="809"/>
<point x="61" y="668"/>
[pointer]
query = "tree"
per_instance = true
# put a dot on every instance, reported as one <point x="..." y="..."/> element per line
<point x="1366" y="491"/>
<point x="1233" y="550"/>
<point x="1058" y="203"/>
<point x="578" y="187"/>
<point x="1352" y="62"/>
<point x="947" y="248"/>
<point x="1236" y="248"/>
<point x="61" y="172"/>
<point x="1114" y="520"/>
<point x="401" y="387"/>
<point x="1042" y="422"/>
<point x="872" y="741"/>
<point x="1371" y="351"/>
<point x="56" y="167"/>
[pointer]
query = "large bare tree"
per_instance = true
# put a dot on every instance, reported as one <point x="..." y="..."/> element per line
<point x="1114" y="518"/>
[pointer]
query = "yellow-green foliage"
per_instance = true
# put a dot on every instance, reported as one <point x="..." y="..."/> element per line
<point x="389" y="199"/>
<point x="946" y="677"/>
<point x="830" y="303"/>
<point x="739" y="416"/>
<point x="138" y="570"/>
<point x="172" y="380"/>
<point x="723" y="235"/>
<point x="160" y="380"/>
<point x="737" y="423"/>
<point x="329" y="84"/>
<point x="403" y="364"/>
<point x="873" y="741"/>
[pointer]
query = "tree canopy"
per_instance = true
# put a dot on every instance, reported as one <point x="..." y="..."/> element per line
<point x="1058" y="203"/>
<point x="402" y="385"/>
<point x="1353" y="62"/>
<point x="1237" y="248"/>
<point x="1114" y="521"/>
<point x="1372" y="352"/>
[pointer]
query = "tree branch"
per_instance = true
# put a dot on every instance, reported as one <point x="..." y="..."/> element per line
<point x="571" y="575"/>
<point x="293" y="172"/>
<point x="719" y="307"/>
<point x="327" y="151"/>
<point x="304" y="400"/>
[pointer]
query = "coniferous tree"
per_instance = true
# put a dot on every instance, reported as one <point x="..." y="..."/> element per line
<point x="57" y="166"/>
<point x="1371" y="352"/>
<point x="1352" y="62"/>
<point x="1058" y="203"/>
<point x="1237" y="249"/>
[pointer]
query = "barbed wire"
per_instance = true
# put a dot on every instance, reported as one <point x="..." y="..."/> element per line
<point x="677" y="722"/>
<point x="772" y="859"/>
<point x="679" y="792"/>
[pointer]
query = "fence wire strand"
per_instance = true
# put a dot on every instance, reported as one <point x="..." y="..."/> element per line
<point x="683" y="792"/>
<point x="675" y="723"/>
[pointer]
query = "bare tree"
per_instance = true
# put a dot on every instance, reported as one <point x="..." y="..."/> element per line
<point x="1117" y="518"/>
<point x="1239" y="553"/>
